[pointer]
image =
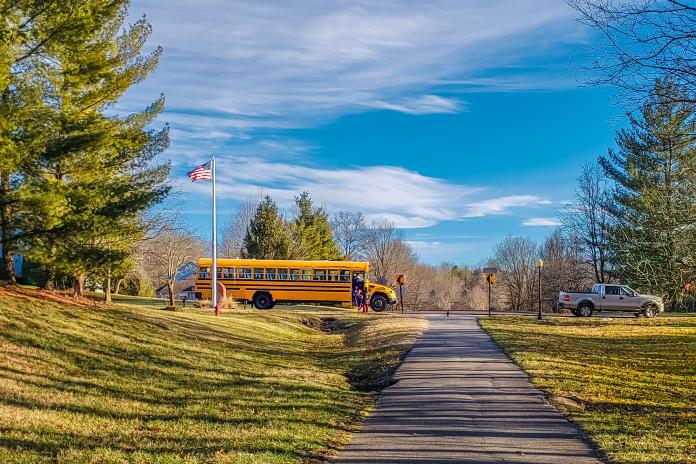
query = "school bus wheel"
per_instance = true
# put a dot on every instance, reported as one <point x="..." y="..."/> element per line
<point x="378" y="302"/>
<point x="262" y="300"/>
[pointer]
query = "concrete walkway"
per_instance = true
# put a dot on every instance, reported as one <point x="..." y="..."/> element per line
<point x="459" y="399"/>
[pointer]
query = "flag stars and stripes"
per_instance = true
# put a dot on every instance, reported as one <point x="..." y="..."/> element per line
<point x="202" y="172"/>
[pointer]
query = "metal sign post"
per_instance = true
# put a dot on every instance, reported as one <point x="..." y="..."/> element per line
<point x="490" y="280"/>
<point x="489" y="297"/>
<point x="400" y="281"/>
<point x="401" y="289"/>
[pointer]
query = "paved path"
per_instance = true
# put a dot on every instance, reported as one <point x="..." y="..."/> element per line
<point x="459" y="399"/>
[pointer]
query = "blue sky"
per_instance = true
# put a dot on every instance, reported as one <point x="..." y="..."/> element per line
<point x="460" y="121"/>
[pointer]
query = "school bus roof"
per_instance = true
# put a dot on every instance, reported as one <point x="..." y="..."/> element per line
<point x="289" y="263"/>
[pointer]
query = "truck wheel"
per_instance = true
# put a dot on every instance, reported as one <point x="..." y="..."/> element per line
<point x="378" y="303"/>
<point x="585" y="310"/>
<point x="650" y="311"/>
<point x="262" y="300"/>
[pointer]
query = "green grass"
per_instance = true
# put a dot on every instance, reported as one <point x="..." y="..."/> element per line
<point x="132" y="384"/>
<point x="631" y="382"/>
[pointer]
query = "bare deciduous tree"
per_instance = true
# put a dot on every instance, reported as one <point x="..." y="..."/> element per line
<point x="350" y="231"/>
<point x="474" y="292"/>
<point x="385" y="248"/>
<point x="166" y="253"/>
<point x="641" y="41"/>
<point x="587" y="220"/>
<point x="447" y="285"/>
<point x="419" y="283"/>
<point x="475" y="297"/>
<point x="236" y="228"/>
<point x="564" y="267"/>
<point x="515" y="257"/>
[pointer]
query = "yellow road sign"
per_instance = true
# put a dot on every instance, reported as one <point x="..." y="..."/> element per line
<point x="490" y="279"/>
<point x="400" y="279"/>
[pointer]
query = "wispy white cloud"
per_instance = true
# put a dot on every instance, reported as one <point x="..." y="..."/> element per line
<point x="423" y="243"/>
<point x="502" y="205"/>
<point x="239" y="75"/>
<point x="403" y="197"/>
<point x="426" y="104"/>
<point x="541" y="222"/>
<point x="242" y="64"/>
<point x="406" y="198"/>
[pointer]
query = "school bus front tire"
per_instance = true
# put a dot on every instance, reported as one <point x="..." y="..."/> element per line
<point x="378" y="303"/>
<point x="262" y="300"/>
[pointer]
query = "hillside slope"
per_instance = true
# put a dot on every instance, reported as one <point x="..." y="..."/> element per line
<point x="126" y="384"/>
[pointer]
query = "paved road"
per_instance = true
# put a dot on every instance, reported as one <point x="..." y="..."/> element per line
<point x="459" y="399"/>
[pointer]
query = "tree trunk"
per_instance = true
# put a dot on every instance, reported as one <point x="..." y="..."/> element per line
<point x="79" y="286"/>
<point x="48" y="280"/>
<point x="118" y="286"/>
<point x="170" y="288"/>
<point x="107" y="287"/>
<point x="49" y="276"/>
<point x="7" y="272"/>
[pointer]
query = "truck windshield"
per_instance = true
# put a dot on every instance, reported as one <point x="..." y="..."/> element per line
<point x="628" y="291"/>
<point x="596" y="288"/>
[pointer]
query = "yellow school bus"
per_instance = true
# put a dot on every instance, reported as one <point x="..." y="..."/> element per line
<point x="267" y="282"/>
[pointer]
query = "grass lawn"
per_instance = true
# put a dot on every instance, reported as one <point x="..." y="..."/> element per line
<point x="631" y="382"/>
<point x="133" y="384"/>
<point x="138" y="300"/>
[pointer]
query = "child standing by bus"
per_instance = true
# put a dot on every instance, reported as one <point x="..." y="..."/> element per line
<point x="366" y="300"/>
<point x="359" y="299"/>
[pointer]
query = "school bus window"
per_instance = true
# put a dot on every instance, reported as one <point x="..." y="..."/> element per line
<point x="219" y="273"/>
<point x="228" y="273"/>
<point x="204" y="273"/>
<point x="333" y="275"/>
<point x="294" y="274"/>
<point x="245" y="273"/>
<point x="258" y="273"/>
<point x="270" y="274"/>
<point x="345" y="276"/>
<point x="320" y="274"/>
<point x="282" y="274"/>
<point x="307" y="274"/>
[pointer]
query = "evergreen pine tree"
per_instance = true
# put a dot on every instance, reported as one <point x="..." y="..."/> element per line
<point x="268" y="235"/>
<point x="31" y="34"/>
<point x="96" y="175"/>
<point x="312" y="231"/>
<point x="654" y="202"/>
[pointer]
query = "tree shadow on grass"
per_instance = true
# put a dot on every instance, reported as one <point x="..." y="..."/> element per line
<point x="136" y="373"/>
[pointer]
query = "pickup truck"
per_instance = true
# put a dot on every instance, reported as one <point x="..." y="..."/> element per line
<point x="607" y="297"/>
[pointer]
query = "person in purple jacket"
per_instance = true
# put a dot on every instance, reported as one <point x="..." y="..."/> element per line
<point x="359" y="300"/>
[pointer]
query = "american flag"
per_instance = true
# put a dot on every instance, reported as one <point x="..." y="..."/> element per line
<point x="202" y="172"/>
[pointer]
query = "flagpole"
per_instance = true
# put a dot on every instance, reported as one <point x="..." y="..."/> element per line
<point x="215" y="301"/>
